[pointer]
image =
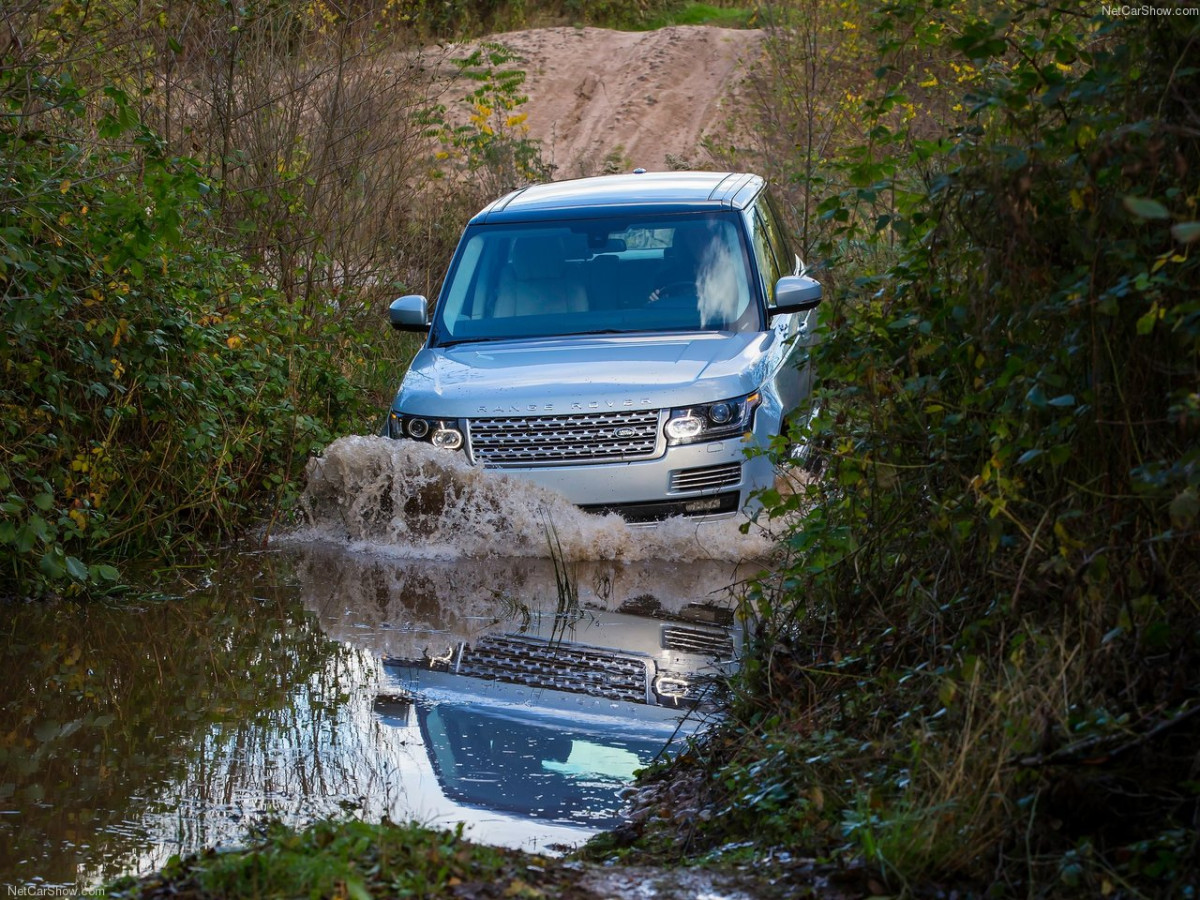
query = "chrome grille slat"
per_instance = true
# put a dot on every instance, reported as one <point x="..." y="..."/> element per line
<point x="721" y="475"/>
<point x="697" y="640"/>
<point x="583" y="437"/>
<point x="581" y="670"/>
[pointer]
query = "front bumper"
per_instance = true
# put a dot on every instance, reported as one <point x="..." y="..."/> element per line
<point x="710" y="479"/>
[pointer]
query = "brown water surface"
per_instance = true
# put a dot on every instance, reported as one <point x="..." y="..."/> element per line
<point x="253" y="686"/>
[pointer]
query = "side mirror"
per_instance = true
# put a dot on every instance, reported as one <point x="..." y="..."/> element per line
<point x="795" y="293"/>
<point x="409" y="313"/>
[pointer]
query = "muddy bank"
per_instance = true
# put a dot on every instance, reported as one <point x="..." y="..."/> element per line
<point x="598" y="97"/>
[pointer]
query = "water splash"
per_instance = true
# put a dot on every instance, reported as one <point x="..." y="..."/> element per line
<point x="410" y="500"/>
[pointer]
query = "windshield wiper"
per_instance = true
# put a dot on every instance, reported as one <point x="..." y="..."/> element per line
<point x="450" y="342"/>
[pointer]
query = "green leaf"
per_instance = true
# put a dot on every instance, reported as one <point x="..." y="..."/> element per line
<point x="51" y="564"/>
<point x="76" y="569"/>
<point x="25" y="539"/>
<point x="1145" y="323"/>
<point x="1186" y="232"/>
<point x="1145" y="208"/>
<point x="104" y="573"/>
<point x="1185" y="507"/>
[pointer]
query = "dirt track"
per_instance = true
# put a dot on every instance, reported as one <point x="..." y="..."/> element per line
<point x="637" y="98"/>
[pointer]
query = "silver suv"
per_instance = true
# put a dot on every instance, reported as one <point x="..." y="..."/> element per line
<point x="621" y="340"/>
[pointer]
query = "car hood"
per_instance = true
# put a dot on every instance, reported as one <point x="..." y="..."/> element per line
<point x="583" y="373"/>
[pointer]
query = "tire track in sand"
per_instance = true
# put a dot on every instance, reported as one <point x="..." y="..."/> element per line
<point x="643" y="96"/>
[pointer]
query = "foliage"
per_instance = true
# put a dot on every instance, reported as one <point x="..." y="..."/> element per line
<point x="986" y="641"/>
<point x="490" y="153"/>
<point x="154" y="390"/>
<point x="436" y="19"/>
<point x="351" y="859"/>
<point x="704" y="14"/>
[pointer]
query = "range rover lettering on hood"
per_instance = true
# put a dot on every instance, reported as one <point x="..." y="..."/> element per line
<point x="573" y="406"/>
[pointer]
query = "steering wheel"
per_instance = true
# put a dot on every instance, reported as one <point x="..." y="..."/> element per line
<point x="678" y="291"/>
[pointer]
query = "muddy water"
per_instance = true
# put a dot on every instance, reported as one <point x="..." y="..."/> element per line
<point x="429" y="643"/>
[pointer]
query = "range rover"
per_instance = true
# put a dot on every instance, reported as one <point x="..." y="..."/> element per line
<point x="621" y="339"/>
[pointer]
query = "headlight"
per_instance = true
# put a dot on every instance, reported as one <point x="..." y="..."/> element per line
<point x="444" y="433"/>
<point x="712" y="421"/>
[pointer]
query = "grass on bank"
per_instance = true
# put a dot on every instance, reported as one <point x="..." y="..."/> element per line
<point x="354" y="861"/>
<point x="704" y="14"/>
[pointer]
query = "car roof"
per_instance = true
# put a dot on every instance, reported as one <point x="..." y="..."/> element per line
<point x="612" y="195"/>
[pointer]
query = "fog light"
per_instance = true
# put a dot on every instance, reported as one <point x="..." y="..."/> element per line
<point x="447" y="438"/>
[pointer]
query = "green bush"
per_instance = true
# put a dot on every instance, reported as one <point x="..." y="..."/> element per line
<point x="153" y="393"/>
<point x="990" y="589"/>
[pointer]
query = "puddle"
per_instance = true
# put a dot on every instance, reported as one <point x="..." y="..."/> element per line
<point x="414" y="650"/>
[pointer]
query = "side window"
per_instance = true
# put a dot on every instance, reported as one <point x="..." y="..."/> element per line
<point x="764" y="253"/>
<point x="457" y="304"/>
<point x="777" y="236"/>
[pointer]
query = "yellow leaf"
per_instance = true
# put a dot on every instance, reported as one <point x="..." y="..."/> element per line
<point x="817" y="796"/>
<point x="65" y="186"/>
<point x="519" y="888"/>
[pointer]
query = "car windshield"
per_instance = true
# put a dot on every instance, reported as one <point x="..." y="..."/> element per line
<point x="672" y="273"/>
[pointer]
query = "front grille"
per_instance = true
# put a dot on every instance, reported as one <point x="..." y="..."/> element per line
<point x="559" y="667"/>
<point x="722" y="475"/>
<point x="698" y="640"/>
<point x="587" y="437"/>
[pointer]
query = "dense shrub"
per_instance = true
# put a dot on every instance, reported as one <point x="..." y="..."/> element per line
<point x="983" y="660"/>
<point x="152" y="391"/>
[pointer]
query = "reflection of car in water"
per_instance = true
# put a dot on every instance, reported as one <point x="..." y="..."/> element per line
<point x="532" y="766"/>
<point x="552" y="721"/>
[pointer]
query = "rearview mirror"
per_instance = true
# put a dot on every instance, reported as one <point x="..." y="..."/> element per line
<point x="408" y="313"/>
<point x="795" y="293"/>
